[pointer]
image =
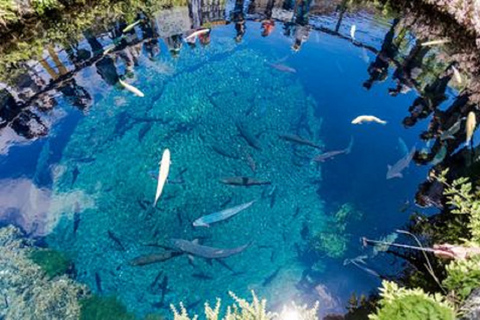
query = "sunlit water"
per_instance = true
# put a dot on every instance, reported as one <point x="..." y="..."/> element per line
<point x="88" y="186"/>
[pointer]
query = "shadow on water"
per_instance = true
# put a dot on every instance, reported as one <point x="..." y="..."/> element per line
<point x="267" y="92"/>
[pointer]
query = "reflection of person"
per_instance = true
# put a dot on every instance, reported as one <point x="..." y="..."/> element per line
<point x="268" y="24"/>
<point x="301" y="26"/>
<point x="378" y="70"/>
<point x="151" y="45"/>
<point x="174" y="44"/>
<point x="239" y="19"/>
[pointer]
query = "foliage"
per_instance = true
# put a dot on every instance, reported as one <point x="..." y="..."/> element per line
<point x="463" y="277"/>
<point x="41" y="6"/>
<point x="465" y="200"/>
<point x="244" y="310"/>
<point x="54" y="263"/>
<point x="103" y="308"/>
<point x="412" y="304"/>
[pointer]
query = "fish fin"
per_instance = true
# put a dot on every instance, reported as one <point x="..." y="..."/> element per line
<point x="400" y="175"/>
<point x="389" y="167"/>
<point x="195" y="241"/>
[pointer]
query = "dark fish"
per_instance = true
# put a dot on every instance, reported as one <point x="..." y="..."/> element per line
<point x="179" y="217"/>
<point x="154" y="258"/>
<point x="202" y="276"/>
<point x="248" y="136"/>
<point x="98" y="281"/>
<point x="305" y="231"/>
<point x="331" y="154"/>
<point x="143" y="131"/>
<point x="223" y="152"/>
<point x="243" y="181"/>
<point x="273" y="196"/>
<point x="224" y="203"/>
<point x="76" y="217"/>
<point x="154" y="284"/>
<point x="297" y="211"/>
<point x="163" y="288"/>
<point x="193" y="304"/>
<point x="270" y="278"/>
<point x="299" y="140"/>
<point x="225" y="265"/>
<point x="193" y="248"/>
<point x="143" y="204"/>
<point x="115" y="239"/>
<point x="75" y="174"/>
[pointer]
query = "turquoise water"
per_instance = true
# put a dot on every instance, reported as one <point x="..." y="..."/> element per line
<point x="80" y="174"/>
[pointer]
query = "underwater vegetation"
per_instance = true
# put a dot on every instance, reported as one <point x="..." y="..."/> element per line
<point x="29" y="292"/>
<point x="241" y="309"/>
<point x="103" y="308"/>
<point x="52" y="262"/>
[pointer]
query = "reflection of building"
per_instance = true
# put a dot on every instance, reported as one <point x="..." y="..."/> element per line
<point x="172" y="22"/>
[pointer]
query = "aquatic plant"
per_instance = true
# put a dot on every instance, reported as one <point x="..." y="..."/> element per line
<point x="103" y="308"/>
<point x="244" y="310"/>
<point x="30" y="292"/>
<point x="52" y="262"/>
<point x="414" y="304"/>
<point x="463" y="277"/>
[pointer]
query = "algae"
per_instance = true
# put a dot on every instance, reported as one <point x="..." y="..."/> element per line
<point x="52" y="262"/>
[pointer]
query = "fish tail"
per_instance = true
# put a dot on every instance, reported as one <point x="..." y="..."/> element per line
<point x="350" y="145"/>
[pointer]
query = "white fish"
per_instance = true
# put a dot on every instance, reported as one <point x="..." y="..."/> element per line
<point x="207" y="220"/>
<point x="439" y="156"/>
<point x="457" y="75"/>
<point x="131" y="26"/>
<point x="163" y="174"/>
<point x="131" y="88"/>
<point x="403" y="146"/>
<point x="352" y="31"/>
<point x="108" y="49"/>
<point x="450" y="132"/>
<point x="470" y="126"/>
<point x="435" y="42"/>
<point x="197" y="33"/>
<point x="365" y="118"/>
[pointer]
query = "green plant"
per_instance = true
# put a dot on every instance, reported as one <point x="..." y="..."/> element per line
<point x="41" y="6"/>
<point x="244" y="310"/>
<point x="413" y="304"/>
<point x="53" y="263"/>
<point x="103" y="308"/>
<point x="463" y="277"/>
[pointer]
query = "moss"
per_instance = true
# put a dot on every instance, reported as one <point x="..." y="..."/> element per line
<point x="54" y="263"/>
<point x="103" y="308"/>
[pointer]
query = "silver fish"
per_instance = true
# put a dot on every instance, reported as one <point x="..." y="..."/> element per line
<point x="395" y="171"/>
<point x="205" y="221"/>
<point x="193" y="248"/>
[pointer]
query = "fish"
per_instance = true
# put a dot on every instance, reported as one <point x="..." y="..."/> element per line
<point x="450" y="132"/>
<point x="439" y="156"/>
<point x="108" y="49"/>
<point x="163" y="288"/>
<point x="271" y="277"/>
<point x="470" y="126"/>
<point x="154" y="284"/>
<point x="154" y="258"/>
<point x="75" y="174"/>
<point x="367" y="118"/>
<point x="195" y="249"/>
<point x="131" y="26"/>
<point x="243" y="181"/>
<point x="205" y="221"/>
<point x="221" y="151"/>
<point x="395" y="171"/>
<point x="457" y="75"/>
<point x="404" y="206"/>
<point x="98" y="282"/>
<point x="352" y="31"/>
<point x="403" y="146"/>
<point x="251" y="162"/>
<point x="202" y="276"/>
<point x="282" y="67"/>
<point x="115" y="239"/>
<point x="163" y="174"/>
<point x="144" y="130"/>
<point x="435" y="42"/>
<point x="131" y="88"/>
<point x="299" y="140"/>
<point x="76" y="217"/>
<point x="197" y="33"/>
<point x="247" y="135"/>
<point x="331" y="154"/>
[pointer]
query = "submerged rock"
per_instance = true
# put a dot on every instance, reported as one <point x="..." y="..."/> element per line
<point x="471" y="306"/>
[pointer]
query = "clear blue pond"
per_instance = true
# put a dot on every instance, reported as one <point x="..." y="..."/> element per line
<point x="79" y="171"/>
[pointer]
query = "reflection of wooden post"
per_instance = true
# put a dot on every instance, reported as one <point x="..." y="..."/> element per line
<point x="59" y="64"/>
<point x="343" y="9"/>
<point x="49" y="69"/>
